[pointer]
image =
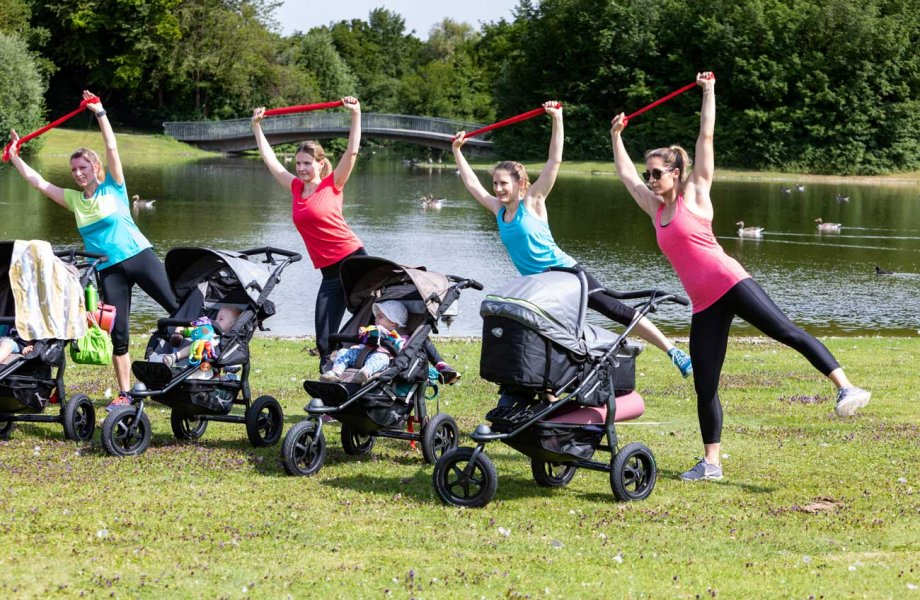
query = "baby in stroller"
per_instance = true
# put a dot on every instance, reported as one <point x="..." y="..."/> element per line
<point x="376" y="343"/>
<point x="200" y="340"/>
<point x="10" y="346"/>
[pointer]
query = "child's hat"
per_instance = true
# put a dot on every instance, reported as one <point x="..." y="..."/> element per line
<point x="393" y="310"/>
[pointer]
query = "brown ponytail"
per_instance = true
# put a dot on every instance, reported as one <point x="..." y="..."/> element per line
<point x="673" y="157"/>
<point x="517" y="171"/>
<point x="93" y="159"/>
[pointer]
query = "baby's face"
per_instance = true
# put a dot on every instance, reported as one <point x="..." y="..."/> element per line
<point x="384" y="322"/>
<point x="225" y="318"/>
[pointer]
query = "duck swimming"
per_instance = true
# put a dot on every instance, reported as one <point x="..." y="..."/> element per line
<point x="828" y="227"/>
<point x="430" y="201"/>
<point x="138" y="203"/>
<point x="749" y="232"/>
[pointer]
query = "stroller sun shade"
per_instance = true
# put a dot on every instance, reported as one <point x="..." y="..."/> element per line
<point x="240" y="280"/>
<point x="552" y="304"/>
<point x="363" y="275"/>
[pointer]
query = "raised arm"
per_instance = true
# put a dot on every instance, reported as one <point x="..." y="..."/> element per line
<point x="347" y="162"/>
<point x="281" y="175"/>
<point x="112" y="159"/>
<point x="469" y="179"/>
<point x="31" y="175"/>
<point x="626" y="170"/>
<point x="541" y="188"/>
<point x="705" y="155"/>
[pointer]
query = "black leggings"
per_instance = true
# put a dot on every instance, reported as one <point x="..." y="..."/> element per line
<point x="330" y="305"/>
<point x="709" y="340"/>
<point x="145" y="270"/>
<point x="604" y="304"/>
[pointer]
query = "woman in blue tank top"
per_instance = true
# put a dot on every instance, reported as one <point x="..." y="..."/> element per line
<point x="523" y="224"/>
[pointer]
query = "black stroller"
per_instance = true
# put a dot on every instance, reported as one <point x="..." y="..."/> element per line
<point x="29" y="383"/>
<point x="564" y="383"/>
<point x="396" y="397"/>
<point x="204" y="281"/>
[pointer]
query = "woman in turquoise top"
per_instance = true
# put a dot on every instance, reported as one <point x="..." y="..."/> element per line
<point x="523" y="224"/>
<point x="104" y="222"/>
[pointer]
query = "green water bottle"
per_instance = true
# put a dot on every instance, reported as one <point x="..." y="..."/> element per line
<point x="92" y="298"/>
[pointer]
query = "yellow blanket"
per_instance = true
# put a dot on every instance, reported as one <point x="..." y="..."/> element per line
<point x="47" y="291"/>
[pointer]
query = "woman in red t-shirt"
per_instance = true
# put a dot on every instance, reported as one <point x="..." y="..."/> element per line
<point x="316" y="208"/>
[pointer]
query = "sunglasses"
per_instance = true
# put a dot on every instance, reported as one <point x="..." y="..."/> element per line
<point x="655" y="173"/>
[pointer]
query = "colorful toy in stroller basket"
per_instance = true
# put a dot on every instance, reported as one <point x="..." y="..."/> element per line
<point x="395" y="398"/>
<point x="564" y="383"/>
<point x="216" y="376"/>
<point x="44" y="323"/>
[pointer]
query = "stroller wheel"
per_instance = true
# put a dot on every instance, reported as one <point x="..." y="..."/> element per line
<point x="549" y="474"/>
<point x="79" y="419"/>
<point x="354" y="443"/>
<point x="303" y="452"/>
<point x="6" y="429"/>
<point x="186" y="426"/>
<point x="439" y="437"/>
<point x="120" y="437"/>
<point x="264" y="421"/>
<point x="633" y="473"/>
<point x="458" y="482"/>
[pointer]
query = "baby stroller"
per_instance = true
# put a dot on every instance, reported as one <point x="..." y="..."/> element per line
<point x="563" y="385"/>
<point x="30" y="382"/>
<point x="395" y="397"/>
<point x="204" y="281"/>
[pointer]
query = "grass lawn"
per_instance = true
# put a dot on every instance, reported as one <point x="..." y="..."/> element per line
<point x="131" y="146"/>
<point x="812" y="506"/>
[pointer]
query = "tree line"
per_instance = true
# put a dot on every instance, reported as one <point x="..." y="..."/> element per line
<point x="826" y="86"/>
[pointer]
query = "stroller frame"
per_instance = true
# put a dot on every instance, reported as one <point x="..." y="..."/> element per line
<point x="467" y="477"/>
<point x="126" y="431"/>
<point x="77" y="415"/>
<point x="304" y="448"/>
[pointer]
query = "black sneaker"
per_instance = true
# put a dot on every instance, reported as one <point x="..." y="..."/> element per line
<point x="446" y="374"/>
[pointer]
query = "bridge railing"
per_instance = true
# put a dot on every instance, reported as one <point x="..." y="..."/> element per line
<point x="236" y="128"/>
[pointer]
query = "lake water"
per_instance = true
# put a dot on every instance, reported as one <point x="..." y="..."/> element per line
<point x="826" y="283"/>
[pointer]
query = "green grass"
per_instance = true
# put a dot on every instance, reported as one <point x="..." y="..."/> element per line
<point x="812" y="505"/>
<point x="137" y="146"/>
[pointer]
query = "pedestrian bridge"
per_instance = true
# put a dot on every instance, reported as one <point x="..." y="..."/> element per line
<point x="236" y="135"/>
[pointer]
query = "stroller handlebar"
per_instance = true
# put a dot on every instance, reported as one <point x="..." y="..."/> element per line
<point x="656" y="296"/>
<point x="463" y="282"/>
<point x="269" y="250"/>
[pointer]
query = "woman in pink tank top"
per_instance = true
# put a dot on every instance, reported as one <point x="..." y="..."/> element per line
<point x="679" y="205"/>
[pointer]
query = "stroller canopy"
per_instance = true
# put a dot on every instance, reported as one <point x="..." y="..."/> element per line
<point x="187" y="268"/>
<point x="553" y="304"/>
<point x="362" y="276"/>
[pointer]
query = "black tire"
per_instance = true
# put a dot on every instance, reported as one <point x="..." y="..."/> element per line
<point x="264" y="421"/>
<point x="356" y="444"/>
<point x="549" y="474"/>
<point x="452" y="487"/>
<point x="186" y="427"/>
<point x="79" y="418"/>
<point x="439" y="436"/>
<point x="115" y="437"/>
<point x="6" y="429"/>
<point x="303" y="452"/>
<point x="633" y="473"/>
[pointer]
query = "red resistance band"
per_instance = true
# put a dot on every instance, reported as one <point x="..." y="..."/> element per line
<point x="686" y="88"/>
<point x="52" y="125"/>
<point x="521" y="117"/>
<point x="287" y="110"/>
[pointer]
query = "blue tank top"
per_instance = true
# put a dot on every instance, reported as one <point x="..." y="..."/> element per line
<point x="530" y="243"/>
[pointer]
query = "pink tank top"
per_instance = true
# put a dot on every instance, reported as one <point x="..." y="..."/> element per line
<point x="702" y="266"/>
<point x="319" y="219"/>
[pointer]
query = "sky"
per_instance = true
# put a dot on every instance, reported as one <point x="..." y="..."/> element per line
<point x="420" y="15"/>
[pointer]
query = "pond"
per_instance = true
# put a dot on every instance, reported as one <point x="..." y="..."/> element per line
<point x="827" y="283"/>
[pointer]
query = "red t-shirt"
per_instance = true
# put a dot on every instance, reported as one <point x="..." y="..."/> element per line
<point x="320" y="222"/>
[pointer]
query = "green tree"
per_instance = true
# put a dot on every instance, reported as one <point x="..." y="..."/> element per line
<point x="21" y="89"/>
<point x="315" y="53"/>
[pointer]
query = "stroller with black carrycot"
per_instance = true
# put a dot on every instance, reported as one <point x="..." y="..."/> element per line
<point x="205" y="387"/>
<point x="564" y="383"/>
<point x="30" y="382"/>
<point x="395" y="398"/>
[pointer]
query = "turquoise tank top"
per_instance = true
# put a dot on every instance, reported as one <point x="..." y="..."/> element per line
<point x="530" y="243"/>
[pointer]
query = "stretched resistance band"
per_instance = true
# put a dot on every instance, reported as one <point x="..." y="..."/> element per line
<point x="521" y="117"/>
<point x="686" y="88"/>
<point x="287" y="110"/>
<point x="52" y="125"/>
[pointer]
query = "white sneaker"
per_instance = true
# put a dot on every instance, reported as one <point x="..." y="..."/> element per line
<point x="330" y="376"/>
<point x="849" y="400"/>
<point x="702" y="471"/>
